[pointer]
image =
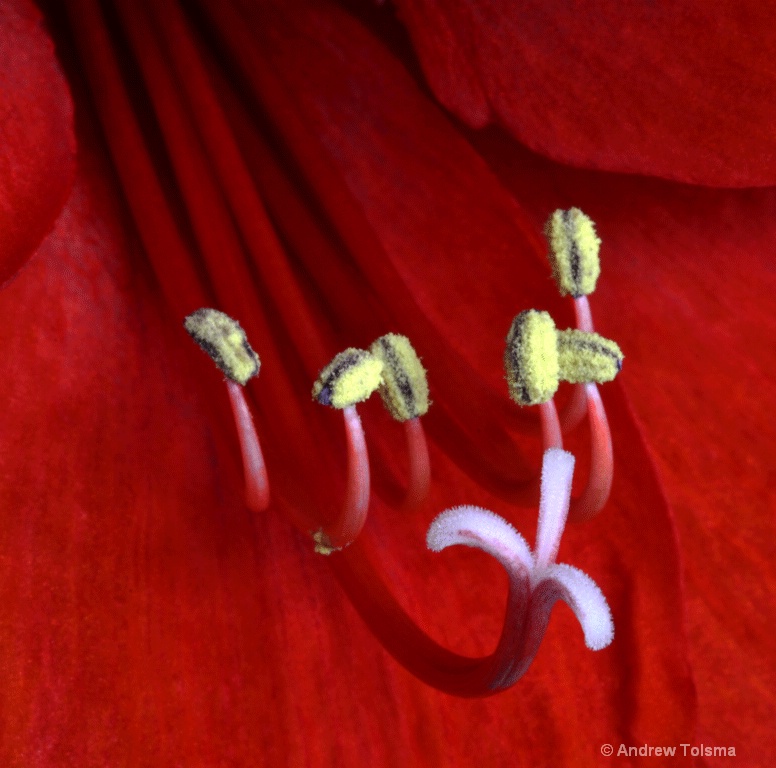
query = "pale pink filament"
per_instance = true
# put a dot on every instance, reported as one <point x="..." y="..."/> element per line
<point x="599" y="481"/>
<point x="577" y="407"/>
<point x="352" y="517"/>
<point x="254" y="469"/>
<point x="420" y="465"/>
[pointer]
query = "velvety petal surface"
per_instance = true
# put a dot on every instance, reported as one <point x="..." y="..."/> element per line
<point x="687" y="289"/>
<point x="682" y="90"/>
<point x="36" y="135"/>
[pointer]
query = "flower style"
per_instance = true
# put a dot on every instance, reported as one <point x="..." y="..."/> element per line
<point x="536" y="582"/>
<point x="147" y="617"/>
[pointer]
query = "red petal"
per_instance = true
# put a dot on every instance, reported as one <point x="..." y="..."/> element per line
<point x="687" y="289"/>
<point x="36" y="135"/>
<point x="681" y="90"/>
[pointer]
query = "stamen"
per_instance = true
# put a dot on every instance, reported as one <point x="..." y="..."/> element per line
<point x="531" y="358"/>
<point x="537" y="357"/>
<point x="254" y="469"/>
<point x="350" y="378"/>
<point x="574" y="247"/>
<point x="224" y="341"/>
<point x="420" y="464"/>
<point x="583" y="314"/>
<point x="352" y="517"/>
<point x="599" y="482"/>
<point x="584" y="357"/>
<point x="404" y="392"/>
<point x="576" y="408"/>
<point x="551" y="431"/>
<point x="404" y="387"/>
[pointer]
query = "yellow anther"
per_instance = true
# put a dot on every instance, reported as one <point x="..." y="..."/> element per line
<point x="573" y="256"/>
<point x="404" y="388"/>
<point x="531" y="358"/>
<point x="224" y="340"/>
<point x="539" y="356"/>
<point x="348" y="379"/>
<point x="587" y="357"/>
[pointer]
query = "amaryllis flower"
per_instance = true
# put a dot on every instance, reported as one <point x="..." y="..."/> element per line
<point x="291" y="165"/>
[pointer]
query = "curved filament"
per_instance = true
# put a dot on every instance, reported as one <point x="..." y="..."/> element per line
<point x="352" y="517"/>
<point x="420" y="464"/>
<point x="254" y="469"/>
<point x="599" y="483"/>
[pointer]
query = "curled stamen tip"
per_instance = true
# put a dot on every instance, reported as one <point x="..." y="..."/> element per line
<point x="350" y="378"/>
<point x="587" y="357"/>
<point x="531" y="358"/>
<point x="224" y="340"/>
<point x="574" y="247"/>
<point x="403" y="388"/>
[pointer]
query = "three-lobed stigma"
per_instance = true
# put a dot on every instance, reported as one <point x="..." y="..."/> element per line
<point x="225" y="342"/>
<point x="573" y="256"/>
<point x="404" y="387"/>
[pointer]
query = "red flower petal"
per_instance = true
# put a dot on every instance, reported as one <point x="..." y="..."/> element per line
<point x="681" y="90"/>
<point x="36" y="135"/>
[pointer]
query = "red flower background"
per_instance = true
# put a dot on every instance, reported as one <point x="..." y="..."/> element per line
<point x="146" y="618"/>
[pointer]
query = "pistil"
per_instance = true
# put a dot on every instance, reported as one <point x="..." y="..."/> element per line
<point x="536" y="583"/>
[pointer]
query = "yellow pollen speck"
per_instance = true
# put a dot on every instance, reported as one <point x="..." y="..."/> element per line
<point x="531" y="358"/>
<point x="224" y="340"/>
<point x="404" y="388"/>
<point x="349" y="378"/>
<point x="586" y="357"/>
<point x="322" y="545"/>
<point x="574" y="247"/>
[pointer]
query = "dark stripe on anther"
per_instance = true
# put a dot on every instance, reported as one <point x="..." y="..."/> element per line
<point x="399" y="375"/>
<point x="329" y="376"/>
<point x="514" y="353"/>
<point x="574" y="255"/>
